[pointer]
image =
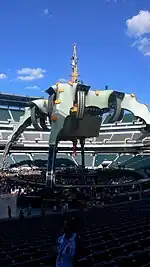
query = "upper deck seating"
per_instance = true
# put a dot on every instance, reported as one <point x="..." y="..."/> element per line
<point x="121" y="137"/>
<point x="133" y="160"/>
<point x="42" y="156"/>
<point x="20" y="157"/>
<point x="45" y="137"/>
<point x="31" y="136"/>
<point x="5" y="135"/>
<point x="64" y="160"/>
<point x="121" y="159"/>
<point x="4" y="115"/>
<point x="88" y="159"/>
<point x="103" y="137"/>
<point x="8" y="161"/>
<point x="143" y="162"/>
<point x="77" y="158"/>
<point x="128" y="118"/>
<point x="64" y="156"/>
<point x="100" y="158"/>
<point x="136" y="136"/>
<point x="106" y="119"/>
<point x="16" y="114"/>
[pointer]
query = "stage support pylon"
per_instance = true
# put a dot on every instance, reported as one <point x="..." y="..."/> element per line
<point x="50" y="175"/>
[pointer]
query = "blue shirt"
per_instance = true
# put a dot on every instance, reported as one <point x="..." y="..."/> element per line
<point x="66" y="251"/>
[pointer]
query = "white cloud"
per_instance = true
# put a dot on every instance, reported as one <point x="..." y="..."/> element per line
<point x="3" y="76"/>
<point x="32" y="87"/>
<point x="143" y="45"/>
<point x="28" y="74"/>
<point x="47" y="13"/>
<point x="139" y="25"/>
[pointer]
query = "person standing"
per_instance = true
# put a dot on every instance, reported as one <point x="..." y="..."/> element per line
<point x="42" y="211"/>
<point x="68" y="245"/>
<point x="9" y="212"/>
<point x="63" y="209"/>
<point x="29" y="210"/>
<point x="21" y="214"/>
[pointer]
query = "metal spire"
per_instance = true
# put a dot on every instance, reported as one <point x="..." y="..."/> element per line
<point x="74" y="59"/>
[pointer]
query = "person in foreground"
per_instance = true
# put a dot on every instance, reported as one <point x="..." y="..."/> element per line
<point x="68" y="246"/>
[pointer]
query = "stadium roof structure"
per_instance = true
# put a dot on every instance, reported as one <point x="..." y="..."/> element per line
<point x="15" y="100"/>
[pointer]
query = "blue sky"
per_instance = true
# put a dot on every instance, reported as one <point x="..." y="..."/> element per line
<point x="112" y="39"/>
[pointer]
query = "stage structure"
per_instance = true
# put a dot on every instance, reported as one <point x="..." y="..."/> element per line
<point x="75" y="113"/>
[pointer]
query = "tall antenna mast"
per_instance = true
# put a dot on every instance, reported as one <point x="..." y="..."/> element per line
<point x="74" y="59"/>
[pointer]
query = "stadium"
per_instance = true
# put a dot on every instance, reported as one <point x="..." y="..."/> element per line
<point x="112" y="214"/>
<point x="124" y="144"/>
<point x="75" y="164"/>
<point x="118" y="155"/>
<point x="112" y="184"/>
<point x="121" y="147"/>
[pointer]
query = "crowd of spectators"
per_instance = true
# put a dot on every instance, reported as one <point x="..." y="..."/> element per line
<point x="77" y="177"/>
<point x="25" y="175"/>
<point x="72" y="176"/>
<point x="97" y="187"/>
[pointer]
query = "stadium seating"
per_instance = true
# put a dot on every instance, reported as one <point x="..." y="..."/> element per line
<point x="5" y="134"/>
<point x="120" y="159"/>
<point x="121" y="137"/>
<point x="128" y="118"/>
<point x="136" y="136"/>
<point x="88" y="159"/>
<point x="103" y="137"/>
<point x="4" y="115"/>
<point x="10" y="114"/>
<point x="9" y="160"/>
<point x="143" y="163"/>
<point x="20" y="157"/>
<point x="137" y="162"/>
<point x="42" y="156"/>
<point x="111" y="236"/>
<point x="16" y="114"/>
<point x="45" y="137"/>
<point x="109" y="135"/>
<point x="106" y="119"/>
<point x="31" y="136"/>
<point x="113" y="160"/>
<point x="100" y="158"/>
<point x="133" y="160"/>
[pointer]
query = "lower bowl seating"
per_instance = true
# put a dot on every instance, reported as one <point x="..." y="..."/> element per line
<point x="112" y="237"/>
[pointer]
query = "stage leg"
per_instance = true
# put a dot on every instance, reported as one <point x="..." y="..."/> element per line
<point x="50" y="175"/>
<point x="82" y="143"/>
